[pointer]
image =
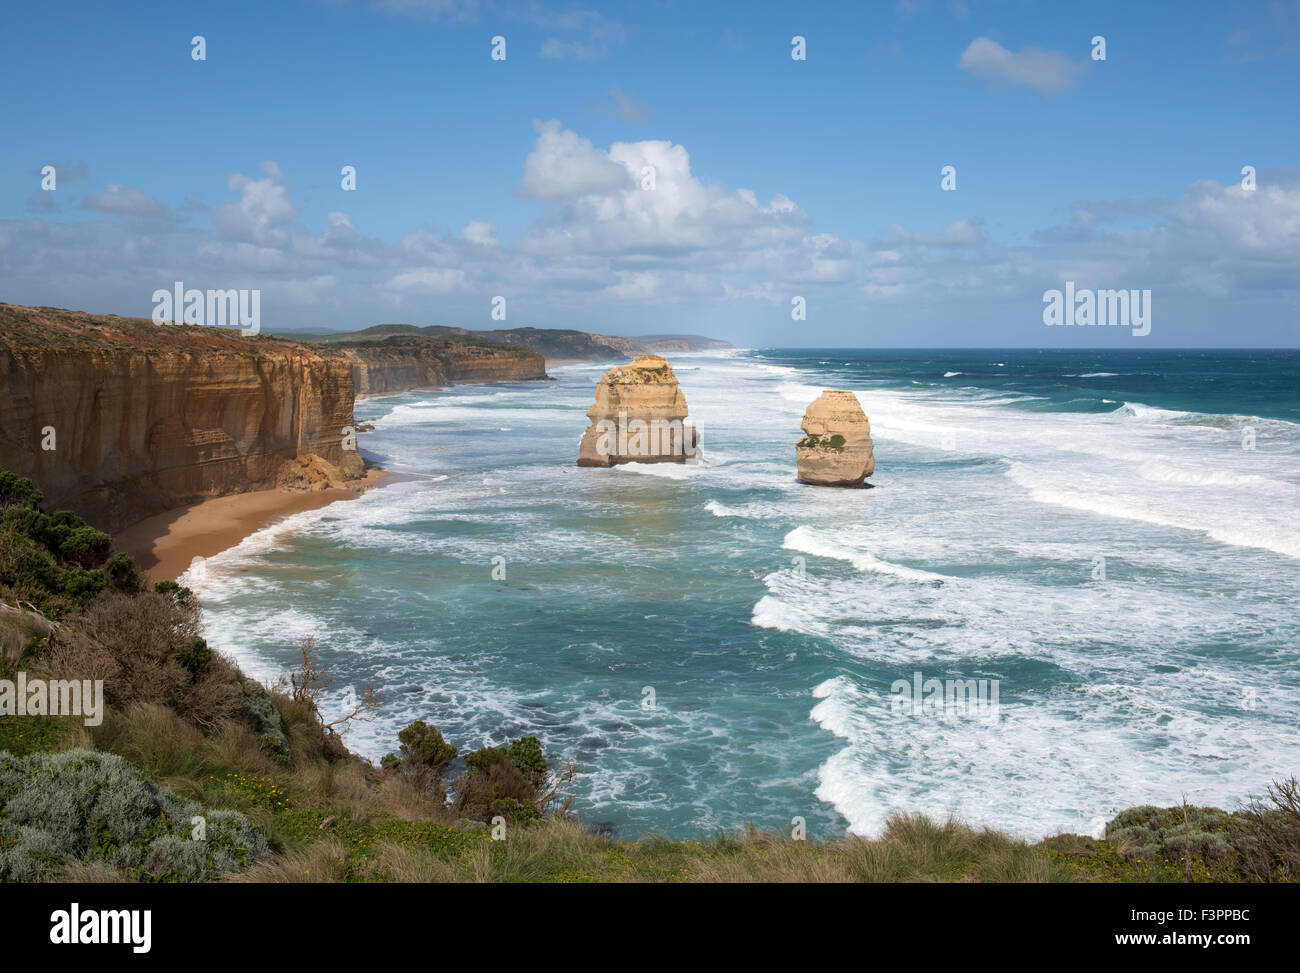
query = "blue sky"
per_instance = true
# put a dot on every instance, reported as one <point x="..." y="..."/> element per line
<point x="774" y="177"/>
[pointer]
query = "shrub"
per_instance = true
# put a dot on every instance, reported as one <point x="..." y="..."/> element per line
<point x="195" y="656"/>
<point x="492" y="777"/>
<point x="157" y="657"/>
<point x="18" y="490"/>
<point x="81" y="806"/>
<point x="175" y="591"/>
<point x="484" y="759"/>
<point x="27" y="521"/>
<point x="81" y="585"/>
<point x="514" y="810"/>
<point x="424" y="744"/>
<point x="1271" y="847"/>
<point x="526" y="754"/>
<point x="121" y="573"/>
<point x="84" y="546"/>
<point x="1177" y="835"/>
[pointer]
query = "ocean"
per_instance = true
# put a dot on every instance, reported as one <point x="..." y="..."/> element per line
<point x="1111" y="539"/>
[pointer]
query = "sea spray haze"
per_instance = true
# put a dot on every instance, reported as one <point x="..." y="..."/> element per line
<point x="1109" y="539"/>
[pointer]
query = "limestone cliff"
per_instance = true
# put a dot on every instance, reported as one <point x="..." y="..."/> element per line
<point x="638" y="417"/>
<point x="836" y="449"/>
<point x="403" y="362"/>
<point x="120" y="418"/>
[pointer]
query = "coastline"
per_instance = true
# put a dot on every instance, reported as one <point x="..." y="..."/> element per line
<point x="164" y="545"/>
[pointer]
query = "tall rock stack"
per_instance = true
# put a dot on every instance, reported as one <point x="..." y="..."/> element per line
<point x="836" y="449"/>
<point x="638" y="417"/>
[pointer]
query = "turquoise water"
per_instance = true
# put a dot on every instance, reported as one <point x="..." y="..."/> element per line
<point x="1092" y="531"/>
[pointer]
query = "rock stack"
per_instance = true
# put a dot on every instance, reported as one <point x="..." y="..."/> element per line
<point x="836" y="449"/>
<point x="638" y="417"/>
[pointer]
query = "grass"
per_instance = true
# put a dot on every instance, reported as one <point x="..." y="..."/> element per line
<point x="335" y="822"/>
<point x="21" y="735"/>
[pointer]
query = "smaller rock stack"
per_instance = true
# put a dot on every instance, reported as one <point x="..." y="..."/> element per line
<point x="638" y="417"/>
<point x="836" y="449"/>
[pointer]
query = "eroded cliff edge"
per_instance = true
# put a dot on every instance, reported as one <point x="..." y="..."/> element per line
<point x="402" y="362"/>
<point x="120" y="418"/>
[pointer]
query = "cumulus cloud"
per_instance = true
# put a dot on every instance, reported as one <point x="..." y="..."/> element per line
<point x="1050" y="72"/>
<point x="641" y="197"/>
<point x="262" y="210"/>
<point x="563" y="164"/>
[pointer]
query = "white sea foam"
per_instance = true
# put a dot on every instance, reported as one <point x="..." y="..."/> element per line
<point x="812" y="541"/>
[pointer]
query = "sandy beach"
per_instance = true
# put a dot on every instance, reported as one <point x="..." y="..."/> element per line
<point x="165" y="544"/>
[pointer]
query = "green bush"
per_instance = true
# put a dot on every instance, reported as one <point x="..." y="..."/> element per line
<point x="82" y="806"/>
<point x="484" y="759"/>
<point x="86" y="546"/>
<point x="181" y="595"/>
<point x="515" y="811"/>
<point x="18" y="490"/>
<point x="121" y="573"/>
<point x="492" y="784"/>
<point x="423" y="744"/>
<point x="27" y="521"/>
<point x="1176" y="835"/>
<point x="80" y="585"/>
<point x="53" y="560"/>
<point x="195" y="656"/>
<point x="526" y="754"/>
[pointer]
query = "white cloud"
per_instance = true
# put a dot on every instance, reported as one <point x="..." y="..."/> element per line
<point x="597" y="34"/>
<point x="484" y="234"/>
<point x="563" y="164"/>
<point x="1048" y="71"/>
<point x="427" y="280"/>
<point x="605" y="208"/>
<point x="262" y="210"/>
<point x="637" y="286"/>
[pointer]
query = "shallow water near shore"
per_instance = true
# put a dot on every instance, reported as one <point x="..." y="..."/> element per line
<point x="1086" y="529"/>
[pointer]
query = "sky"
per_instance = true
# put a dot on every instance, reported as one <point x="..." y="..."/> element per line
<point x="665" y="167"/>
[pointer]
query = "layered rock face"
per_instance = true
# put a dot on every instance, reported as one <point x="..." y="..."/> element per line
<point x="404" y="362"/>
<point x="638" y="417"/>
<point x="836" y="449"/>
<point x="144" y="417"/>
